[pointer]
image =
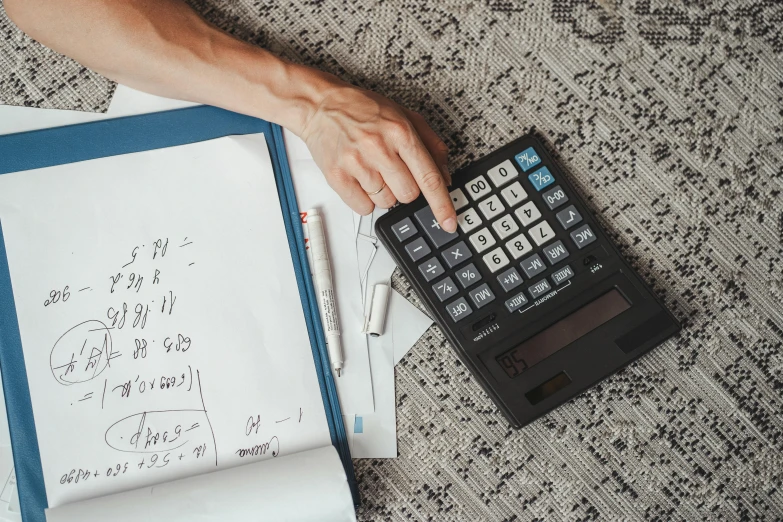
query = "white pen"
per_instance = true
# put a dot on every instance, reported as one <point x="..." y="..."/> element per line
<point x="322" y="272"/>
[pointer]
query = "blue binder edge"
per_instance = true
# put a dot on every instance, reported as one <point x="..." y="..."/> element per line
<point x="70" y="144"/>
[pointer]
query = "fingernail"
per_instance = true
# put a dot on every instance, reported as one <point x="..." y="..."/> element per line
<point x="446" y="174"/>
<point x="450" y="225"/>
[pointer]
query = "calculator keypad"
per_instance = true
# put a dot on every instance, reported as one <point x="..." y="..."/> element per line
<point x="491" y="207"/>
<point x="542" y="233"/>
<point x="482" y="240"/>
<point x="417" y="249"/>
<point x="554" y="197"/>
<point x="583" y="236"/>
<point x="510" y="279"/>
<point x="468" y="275"/>
<point x="445" y="289"/>
<point x="478" y="188"/>
<point x="528" y="214"/>
<point x="482" y="295"/>
<point x="514" y="194"/>
<point x="459" y="309"/>
<point x="458" y="199"/>
<point x="519" y="246"/>
<point x="457" y="254"/>
<point x="505" y="226"/>
<point x="503" y="173"/>
<point x="496" y="260"/>
<point x="541" y="179"/>
<point x="532" y="266"/>
<point x="431" y="269"/>
<point x="468" y="220"/>
<point x="555" y="252"/>
<point x="501" y="225"/>
<point x="437" y="235"/>
<point x="404" y="229"/>
<point x="569" y="217"/>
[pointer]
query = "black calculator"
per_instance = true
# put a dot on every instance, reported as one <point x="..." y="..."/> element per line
<point x="534" y="298"/>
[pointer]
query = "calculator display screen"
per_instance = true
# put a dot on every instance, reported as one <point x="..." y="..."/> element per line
<point x="563" y="333"/>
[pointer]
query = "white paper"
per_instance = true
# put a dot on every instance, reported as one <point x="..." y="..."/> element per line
<point x="378" y="438"/>
<point x="354" y="386"/>
<point x="126" y="102"/>
<point x="306" y="487"/>
<point x="211" y="366"/>
<point x="410" y="324"/>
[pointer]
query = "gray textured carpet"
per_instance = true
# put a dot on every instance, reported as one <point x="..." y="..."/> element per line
<point x="669" y="114"/>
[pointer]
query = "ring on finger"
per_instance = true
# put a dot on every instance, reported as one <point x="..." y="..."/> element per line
<point x="377" y="191"/>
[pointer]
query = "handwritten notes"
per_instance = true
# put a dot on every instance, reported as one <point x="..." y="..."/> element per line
<point x="161" y="323"/>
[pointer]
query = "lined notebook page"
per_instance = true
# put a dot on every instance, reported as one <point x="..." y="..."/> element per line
<point x="161" y="323"/>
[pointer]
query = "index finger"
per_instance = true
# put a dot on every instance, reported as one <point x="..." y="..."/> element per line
<point x="430" y="180"/>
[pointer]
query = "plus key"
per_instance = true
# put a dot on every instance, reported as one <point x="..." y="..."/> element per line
<point x="437" y="235"/>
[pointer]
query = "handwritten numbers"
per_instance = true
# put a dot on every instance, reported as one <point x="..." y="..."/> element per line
<point x="182" y="344"/>
<point x="153" y="461"/>
<point x="141" y="349"/>
<point x="55" y="296"/>
<point x="141" y="315"/>
<point x="116" y="319"/>
<point x="133" y="257"/>
<point x="200" y="450"/>
<point x="160" y="247"/>
<point x="114" y="281"/>
<point x="156" y="277"/>
<point x="136" y="280"/>
<point x="172" y="300"/>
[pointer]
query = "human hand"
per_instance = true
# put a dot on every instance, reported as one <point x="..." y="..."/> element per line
<point x="374" y="152"/>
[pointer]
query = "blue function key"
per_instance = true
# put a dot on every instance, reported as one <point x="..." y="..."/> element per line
<point x="437" y="235"/>
<point x="527" y="159"/>
<point x="541" y="178"/>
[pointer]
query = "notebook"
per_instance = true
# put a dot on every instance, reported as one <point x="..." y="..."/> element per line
<point x="160" y="346"/>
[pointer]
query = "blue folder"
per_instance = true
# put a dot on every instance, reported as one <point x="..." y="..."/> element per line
<point x="59" y="146"/>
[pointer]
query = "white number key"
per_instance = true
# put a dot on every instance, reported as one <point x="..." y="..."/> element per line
<point x="482" y="240"/>
<point x="519" y="246"/>
<point x="468" y="220"/>
<point x="505" y="226"/>
<point x="496" y="260"/>
<point x="541" y="233"/>
<point x="491" y="207"/>
<point x="478" y="188"/>
<point x="458" y="198"/>
<point x="503" y="173"/>
<point x="514" y="194"/>
<point x="528" y="213"/>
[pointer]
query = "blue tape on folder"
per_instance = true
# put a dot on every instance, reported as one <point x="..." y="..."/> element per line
<point x="59" y="146"/>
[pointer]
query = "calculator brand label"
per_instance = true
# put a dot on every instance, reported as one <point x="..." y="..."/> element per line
<point x="527" y="159"/>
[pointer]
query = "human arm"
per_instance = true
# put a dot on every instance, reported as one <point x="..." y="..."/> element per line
<point x="359" y="139"/>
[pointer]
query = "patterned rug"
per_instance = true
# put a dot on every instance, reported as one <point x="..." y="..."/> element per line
<point x="669" y="115"/>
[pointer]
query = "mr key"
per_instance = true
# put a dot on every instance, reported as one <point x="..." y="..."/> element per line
<point x="528" y="284"/>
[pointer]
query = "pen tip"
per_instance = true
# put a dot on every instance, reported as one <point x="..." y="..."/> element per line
<point x="338" y="371"/>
